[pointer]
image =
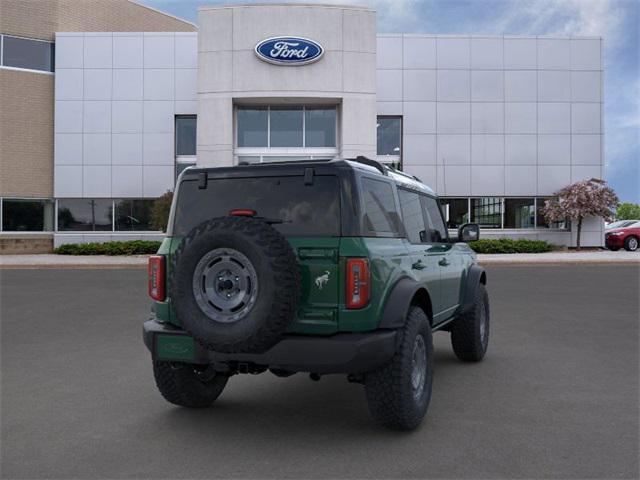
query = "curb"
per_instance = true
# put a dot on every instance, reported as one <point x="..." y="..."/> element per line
<point x="75" y="266"/>
<point x="139" y="263"/>
<point x="556" y="263"/>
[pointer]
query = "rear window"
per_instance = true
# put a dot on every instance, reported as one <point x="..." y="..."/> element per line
<point x="306" y="210"/>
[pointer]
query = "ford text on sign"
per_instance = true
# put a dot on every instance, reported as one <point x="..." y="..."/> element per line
<point x="289" y="51"/>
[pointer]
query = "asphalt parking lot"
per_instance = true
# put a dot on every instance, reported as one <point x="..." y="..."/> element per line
<point x="556" y="397"/>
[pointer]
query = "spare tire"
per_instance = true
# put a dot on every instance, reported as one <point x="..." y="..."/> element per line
<point x="235" y="284"/>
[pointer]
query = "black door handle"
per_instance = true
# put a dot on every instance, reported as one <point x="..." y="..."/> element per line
<point x="444" y="262"/>
<point x="418" y="265"/>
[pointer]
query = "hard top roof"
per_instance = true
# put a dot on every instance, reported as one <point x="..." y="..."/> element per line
<point x="362" y="164"/>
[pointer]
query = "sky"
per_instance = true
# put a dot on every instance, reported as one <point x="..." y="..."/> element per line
<point x="617" y="21"/>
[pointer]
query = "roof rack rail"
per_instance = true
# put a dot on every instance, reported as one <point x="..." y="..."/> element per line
<point x="372" y="163"/>
<point x="244" y="163"/>
<point x="400" y="172"/>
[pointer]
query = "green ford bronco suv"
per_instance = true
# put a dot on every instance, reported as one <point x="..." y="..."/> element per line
<point x="340" y="266"/>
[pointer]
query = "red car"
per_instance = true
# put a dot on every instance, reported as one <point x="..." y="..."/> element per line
<point x="627" y="237"/>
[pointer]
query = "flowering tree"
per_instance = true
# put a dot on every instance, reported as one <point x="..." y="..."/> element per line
<point x="586" y="198"/>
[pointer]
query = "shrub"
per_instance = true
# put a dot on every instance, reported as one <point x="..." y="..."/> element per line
<point x="131" y="247"/>
<point x="508" y="245"/>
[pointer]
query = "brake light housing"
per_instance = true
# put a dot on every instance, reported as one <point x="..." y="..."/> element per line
<point x="358" y="283"/>
<point x="242" y="212"/>
<point x="157" y="270"/>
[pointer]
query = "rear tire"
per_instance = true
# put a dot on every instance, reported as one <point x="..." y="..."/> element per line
<point x="470" y="331"/>
<point x="186" y="385"/>
<point x="631" y="243"/>
<point x="398" y="394"/>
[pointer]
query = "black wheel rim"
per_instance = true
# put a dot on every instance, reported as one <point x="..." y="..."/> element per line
<point x="418" y="367"/>
<point x="225" y="285"/>
<point x="483" y="325"/>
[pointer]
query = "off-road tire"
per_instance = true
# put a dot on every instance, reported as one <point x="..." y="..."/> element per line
<point x="389" y="391"/>
<point x="467" y="338"/>
<point x="630" y="245"/>
<point x="278" y="278"/>
<point x="180" y="384"/>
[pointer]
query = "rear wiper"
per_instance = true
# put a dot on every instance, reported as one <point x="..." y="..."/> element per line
<point x="272" y="221"/>
<point x="247" y="212"/>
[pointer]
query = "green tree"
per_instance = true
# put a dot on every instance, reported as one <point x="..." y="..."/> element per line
<point x="160" y="211"/>
<point x="628" y="211"/>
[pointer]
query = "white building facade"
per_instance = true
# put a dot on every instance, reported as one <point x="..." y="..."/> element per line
<point x="494" y="124"/>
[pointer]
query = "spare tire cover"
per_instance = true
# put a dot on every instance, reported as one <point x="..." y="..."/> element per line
<point x="235" y="284"/>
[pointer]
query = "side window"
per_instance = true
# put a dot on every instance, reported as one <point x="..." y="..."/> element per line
<point x="412" y="216"/>
<point x="436" y="230"/>
<point x="380" y="213"/>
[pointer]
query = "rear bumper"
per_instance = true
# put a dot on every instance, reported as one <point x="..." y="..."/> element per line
<point x="339" y="353"/>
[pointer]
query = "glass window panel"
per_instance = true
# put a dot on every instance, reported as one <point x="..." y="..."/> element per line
<point x="133" y="215"/>
<point x="380" y="214"/>
<point x="456" y="211"/>
<point x="306" y="210"/>
<point x="412" y="216"/>
<point x="25" y="53"/>
<point x="27" y="215"/>
<point x="487" y="212"/>
<point x="286" y="126"/>
<point x="84" y="214"/>
<point x="252" y="126"/>
<point x="437" y="232"/>
<point x="389" y="132"/>
<point x="519" y="213"/>
<point x="542" y="222"/>
<point x="320" y="127"/>
<point x="186" y="135"/>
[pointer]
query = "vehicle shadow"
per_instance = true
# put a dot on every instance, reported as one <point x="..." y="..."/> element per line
<point x="266" y="406"/>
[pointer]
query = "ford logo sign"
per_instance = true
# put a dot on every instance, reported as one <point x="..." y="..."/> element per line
<point x="289" y="51"/>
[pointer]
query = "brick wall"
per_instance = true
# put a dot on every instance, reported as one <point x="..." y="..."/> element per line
<point x="42" y="18"/>
<point x="26" y="134"/>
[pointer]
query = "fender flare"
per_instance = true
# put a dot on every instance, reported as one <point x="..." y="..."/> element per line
<point x="398" y="302"/>
<point x="475" y="276"/>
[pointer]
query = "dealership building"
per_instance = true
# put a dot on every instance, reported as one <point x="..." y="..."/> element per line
<point x="105" y="103"/>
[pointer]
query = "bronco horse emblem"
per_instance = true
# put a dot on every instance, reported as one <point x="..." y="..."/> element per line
<point x="322" y="280"/>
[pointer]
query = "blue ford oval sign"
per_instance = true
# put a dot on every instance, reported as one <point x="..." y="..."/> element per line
<point x="289" y="50"/>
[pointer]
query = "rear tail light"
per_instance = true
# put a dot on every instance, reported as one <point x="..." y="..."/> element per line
<point x="358" y="284"/>
<point x="156" y="270"/>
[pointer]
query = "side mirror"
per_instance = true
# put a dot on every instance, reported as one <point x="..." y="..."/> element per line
<point x="468" y="232"/>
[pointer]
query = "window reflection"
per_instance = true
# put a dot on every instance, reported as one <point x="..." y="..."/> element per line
<point x="519" y="213"/>
<point x="487" y="212"/>
<point x="84" y="214"/>
<point x="133" y="215"/>
<point x="22" y="215"/>
<point x="389" y="133"/>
